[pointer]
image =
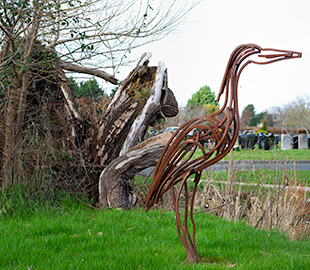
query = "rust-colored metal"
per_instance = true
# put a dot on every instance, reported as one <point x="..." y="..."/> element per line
<point x="176" y="164"/>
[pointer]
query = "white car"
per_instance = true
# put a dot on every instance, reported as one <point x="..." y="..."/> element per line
<point x="173" y="129"/>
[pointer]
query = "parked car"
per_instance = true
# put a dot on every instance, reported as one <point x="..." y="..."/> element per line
<point x="153" y="133"/>
<point x="173" y="129"/>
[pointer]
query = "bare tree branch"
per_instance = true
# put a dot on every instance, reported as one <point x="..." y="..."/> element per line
<point x="90" y="71"/>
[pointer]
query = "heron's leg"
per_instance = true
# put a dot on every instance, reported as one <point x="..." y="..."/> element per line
<point x="194" y="247"/>
<point x="180" y="229"/>
<point x="183" y="232"/>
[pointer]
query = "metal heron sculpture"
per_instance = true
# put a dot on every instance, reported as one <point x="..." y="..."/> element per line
<point x="177" y="164"/>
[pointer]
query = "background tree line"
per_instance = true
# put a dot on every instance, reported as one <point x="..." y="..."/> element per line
<point x="89" y="88"/>
<point x="291" y="116"/>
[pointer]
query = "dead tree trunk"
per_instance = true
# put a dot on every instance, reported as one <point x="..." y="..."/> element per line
<point x="124" y="123"/>
<point x="160" y="104"/>
<point x="136" y="104"/>
<point x="115" y="123"/>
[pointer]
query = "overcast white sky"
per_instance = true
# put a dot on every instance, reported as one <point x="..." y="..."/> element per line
<point x="197" y="55"/>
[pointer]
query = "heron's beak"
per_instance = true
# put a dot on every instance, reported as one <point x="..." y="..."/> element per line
<point x="276" y="55"/>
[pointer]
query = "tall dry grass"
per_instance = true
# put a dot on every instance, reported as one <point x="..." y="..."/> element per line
<point x="273" y="201"/>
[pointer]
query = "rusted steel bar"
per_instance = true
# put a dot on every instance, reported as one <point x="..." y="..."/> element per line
<point x="221" y="127"/>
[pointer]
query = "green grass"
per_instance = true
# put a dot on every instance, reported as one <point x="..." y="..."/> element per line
<point x="272" y="177"/>
<point x="260" y="154"/>
<point x="81" y="238"/>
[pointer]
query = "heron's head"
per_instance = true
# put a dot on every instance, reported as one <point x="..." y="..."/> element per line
<point x="268" y="56"/>
<point x="244" y="51"/>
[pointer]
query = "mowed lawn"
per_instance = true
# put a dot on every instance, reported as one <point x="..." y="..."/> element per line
<point x="274" y="154"/>
<point x="260" y="154"/>
<point x="82" y="238"/>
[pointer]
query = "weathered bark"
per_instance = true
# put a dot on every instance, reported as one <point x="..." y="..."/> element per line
<point x="169" y="104"/>
<point x="91" y="71"/>
<point x="67" y="92"/>
<point x="139" y="101"/>
<point x="128" y="101"/>
<point x="150" y="109"/>
<point x="115" y="181"/>
<point x="161" y="104"/>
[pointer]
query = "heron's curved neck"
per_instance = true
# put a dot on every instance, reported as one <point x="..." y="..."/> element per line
<point x="229" y="86"/>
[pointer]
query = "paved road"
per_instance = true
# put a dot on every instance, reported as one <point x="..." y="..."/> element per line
<point x="302" y="165"/>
